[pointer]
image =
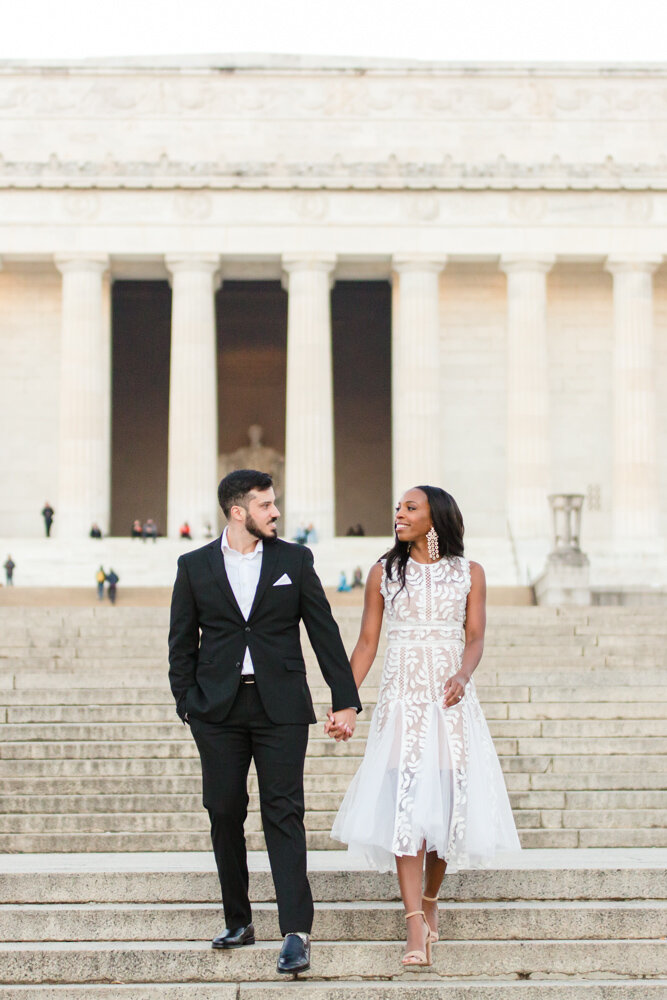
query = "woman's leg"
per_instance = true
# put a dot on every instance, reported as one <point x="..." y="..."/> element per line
<point x="410" y="869"/>
<point x="435" y="869"/>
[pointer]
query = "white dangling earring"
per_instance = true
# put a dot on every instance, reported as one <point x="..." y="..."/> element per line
<point x="432" y="544"/>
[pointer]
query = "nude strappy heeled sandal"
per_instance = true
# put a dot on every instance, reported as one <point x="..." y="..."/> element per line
<point x="418" y="958"/>
<point x="434" y="934"/>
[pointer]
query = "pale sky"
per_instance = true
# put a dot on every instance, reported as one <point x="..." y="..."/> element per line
<point x="449" y="30"/>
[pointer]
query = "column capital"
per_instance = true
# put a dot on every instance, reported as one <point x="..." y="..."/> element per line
<point x="431" y="263"/>
<point x="633" y="263"/>
<point x="69" y="262"/>
<point x="520" y="263"/>
<point x="322" y="263"/>
<point x="178" y="262"/>
<point x="309" y="262"/>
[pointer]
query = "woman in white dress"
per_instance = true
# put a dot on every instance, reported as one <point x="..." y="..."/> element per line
<point x="429" y="794"/>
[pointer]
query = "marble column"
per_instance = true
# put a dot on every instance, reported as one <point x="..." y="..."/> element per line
<point x="635" y="469"/>
<point x="528" y="450"/>
<point x="415" y="373"/>
<point x="85" y="397"/>
<point x="309" y="444"/>
<point x="192" y="476"/>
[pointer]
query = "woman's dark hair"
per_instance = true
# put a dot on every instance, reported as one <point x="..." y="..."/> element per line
<point x="235" y="487"/>
<point x="447" y="522"/>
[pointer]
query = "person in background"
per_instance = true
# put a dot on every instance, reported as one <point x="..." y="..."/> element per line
<point x="185" y="531"/>
<point x="136" y="528"/>
<point x="358" y="578"/>
<point x="100" y="577"/>
<point x="9" y="568"/>
<point x="343" y="585"/>
<point x="301" y="536"/>
<point x="112" y="580"/>
<point x="150" y="529"/>
<point x="95" y="531"/>
<point x="48" y="514"/>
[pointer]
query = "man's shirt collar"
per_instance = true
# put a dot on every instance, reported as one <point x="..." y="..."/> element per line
<point x="226" y="547"/>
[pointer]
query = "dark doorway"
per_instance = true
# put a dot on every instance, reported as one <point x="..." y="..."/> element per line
<point x="252" y="363"/>
<point x="361" y="334"/>
<point x="141" y="335"/>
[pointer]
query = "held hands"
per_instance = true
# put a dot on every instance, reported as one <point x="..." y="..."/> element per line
<point x="340" y="725"/>
<point x="455" y="689"/>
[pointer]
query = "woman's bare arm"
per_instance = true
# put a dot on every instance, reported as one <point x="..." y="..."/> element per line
<point x="367" y="643"/>
<point x="362" y="658"/>
<point x="474" y="632"/>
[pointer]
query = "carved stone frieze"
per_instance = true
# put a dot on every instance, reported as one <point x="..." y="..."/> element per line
<point x="339" y="173"/>
<point x="417" y="92"/>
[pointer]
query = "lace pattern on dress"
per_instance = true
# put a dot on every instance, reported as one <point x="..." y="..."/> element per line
<point x="426" y="637"/>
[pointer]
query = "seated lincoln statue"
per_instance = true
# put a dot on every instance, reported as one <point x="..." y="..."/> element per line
<point x="256" y="456"/>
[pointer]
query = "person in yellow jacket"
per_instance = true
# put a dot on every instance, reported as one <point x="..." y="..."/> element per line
<point x="100" y="576"/>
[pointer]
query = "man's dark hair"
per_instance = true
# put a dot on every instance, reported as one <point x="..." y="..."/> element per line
<point x="234" y="488"/>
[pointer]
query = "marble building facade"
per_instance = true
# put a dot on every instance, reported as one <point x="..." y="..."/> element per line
<point x="517" y="215"/>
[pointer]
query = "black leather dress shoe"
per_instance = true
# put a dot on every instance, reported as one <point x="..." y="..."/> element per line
<point x="234" y="937"/>
<point x="295" y="954"/>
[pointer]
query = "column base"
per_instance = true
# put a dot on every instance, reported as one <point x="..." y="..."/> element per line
<point x="566" y="580"/>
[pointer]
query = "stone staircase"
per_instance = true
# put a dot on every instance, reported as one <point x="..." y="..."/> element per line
<point x="93" y="758"/>
<point x="556" y="928"/>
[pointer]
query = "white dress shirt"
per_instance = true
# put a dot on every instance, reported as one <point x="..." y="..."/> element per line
<point x="243" y="571"/>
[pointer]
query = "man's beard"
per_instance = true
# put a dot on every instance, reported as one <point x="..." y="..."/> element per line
<point x="254" y="529"/>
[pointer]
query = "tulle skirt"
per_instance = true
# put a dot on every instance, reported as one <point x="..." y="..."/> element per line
<point x="429" y="776"/>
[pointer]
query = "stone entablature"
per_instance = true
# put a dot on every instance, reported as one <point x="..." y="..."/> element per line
<point x="318" y="172"/>
<point x="294" y="123"/>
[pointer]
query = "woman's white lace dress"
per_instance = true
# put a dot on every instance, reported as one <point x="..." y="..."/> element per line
<point x="429" y="774"/>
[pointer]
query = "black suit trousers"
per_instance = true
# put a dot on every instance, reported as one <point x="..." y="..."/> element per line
<point x="226" y="749"/>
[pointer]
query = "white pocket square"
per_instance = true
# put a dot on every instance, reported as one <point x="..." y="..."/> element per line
<point x="284" y="581"/>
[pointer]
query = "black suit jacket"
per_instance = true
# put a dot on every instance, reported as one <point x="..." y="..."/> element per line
<point x="208" y="637"/>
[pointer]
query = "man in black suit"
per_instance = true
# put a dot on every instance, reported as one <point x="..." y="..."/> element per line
<point x="238" y="675"/>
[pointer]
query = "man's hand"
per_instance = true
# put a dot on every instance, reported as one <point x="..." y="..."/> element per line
<point x="340" y="725"/>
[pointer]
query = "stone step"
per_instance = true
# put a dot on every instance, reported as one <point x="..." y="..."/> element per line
<point x="506" y="615"/>
<point x="412" y="986"/>
<point x="583" y="745"/>
<point x="608" y="789"/>
<point x="326" y="799"/>
<point x="342" y="921"/>
<point x="530" y="875"/>
<point x="493" y="710"/>
<point x="324" y="747"/>
<point x="591" y="781"/>
<point x="570" y="701"/>
<point x="494" y="683"/>
<point x="549" y="767"/>
<point x="162" y="838"/>
<point x="590" y="838"/>
<point x="132" y="729"/>
<point x="144" y="729"/>
<point x="149" y="714"/>
<point x="561" y="710"/>
<point x="154" y="660"/>
<point x="551" y="677"/>
<point x="175" y="961"/>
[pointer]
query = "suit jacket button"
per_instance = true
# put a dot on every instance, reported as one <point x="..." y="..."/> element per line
<point x="238" y="664"/>
<point x="247" y="628"/>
